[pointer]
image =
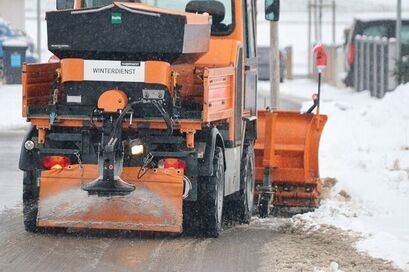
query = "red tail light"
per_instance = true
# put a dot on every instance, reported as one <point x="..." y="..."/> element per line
<point x="56" y="162"/>
<point x="351" y="54"/>
<point x="172" y="164"/>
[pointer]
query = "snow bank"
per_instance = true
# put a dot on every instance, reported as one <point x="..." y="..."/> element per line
<point x="10" y="108"/>
<point x="365" y="146"/>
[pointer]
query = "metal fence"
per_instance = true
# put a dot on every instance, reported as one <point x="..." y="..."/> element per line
<point x="375" y="65"/>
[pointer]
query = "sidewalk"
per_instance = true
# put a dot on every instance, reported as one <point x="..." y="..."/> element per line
<point x="10" y="108"/>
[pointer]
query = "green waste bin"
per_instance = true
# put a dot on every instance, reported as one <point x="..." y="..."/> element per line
<point x="14" y="56"/>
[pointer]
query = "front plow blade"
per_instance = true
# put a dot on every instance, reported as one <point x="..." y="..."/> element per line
<point x="288" y="144"/>
<point x="154" y="206"/>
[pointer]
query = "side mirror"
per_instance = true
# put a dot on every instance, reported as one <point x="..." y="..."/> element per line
<point x="272" y="10"/>
<point x="65" y="4"/>
<point x="215" y="9"/>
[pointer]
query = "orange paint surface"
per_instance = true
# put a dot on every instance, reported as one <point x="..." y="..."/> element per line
<point x="155" y="205"/>
<point x="288" y="143"/>
<point x="113" y="101"/>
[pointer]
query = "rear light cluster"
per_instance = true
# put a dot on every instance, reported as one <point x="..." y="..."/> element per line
<point x="172" y="164"/>
<point x="60" y="162"/>
<point x="56" y="162"/>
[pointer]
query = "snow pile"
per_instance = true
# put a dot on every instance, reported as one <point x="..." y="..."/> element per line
<point x="10" y="105"/>
<point x="365" y="146"/>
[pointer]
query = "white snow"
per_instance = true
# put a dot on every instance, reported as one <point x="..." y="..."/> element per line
<point x="10" y="106"/>
<point x="365" y="146"/>
<point x="15" y="43"/>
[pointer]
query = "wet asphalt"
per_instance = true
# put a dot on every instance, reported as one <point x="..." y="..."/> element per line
<point x="10" y="177"/>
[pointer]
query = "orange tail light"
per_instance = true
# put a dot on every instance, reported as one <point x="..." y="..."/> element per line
<point x="56" y="162"/>
<point x="172" y="164"/>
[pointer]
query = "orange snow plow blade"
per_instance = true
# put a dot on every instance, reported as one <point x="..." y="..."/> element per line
<point x="288" y="143"/>
<point x="155" y="205"/>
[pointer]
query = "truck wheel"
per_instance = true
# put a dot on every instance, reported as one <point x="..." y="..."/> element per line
<point x="30" y="202"/>
<point x="247" y="179"/>
<point x="211" y="197"/>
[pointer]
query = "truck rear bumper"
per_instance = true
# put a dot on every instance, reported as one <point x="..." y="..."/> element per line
<point x="155" y="205"/>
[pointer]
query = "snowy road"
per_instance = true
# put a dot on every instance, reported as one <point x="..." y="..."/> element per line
<point x="267" y="246"/>
<point x="272" y="245"/>
<point x="10" y="178"/>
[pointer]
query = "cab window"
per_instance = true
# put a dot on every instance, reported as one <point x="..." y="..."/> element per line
<point x="221" y="26"/>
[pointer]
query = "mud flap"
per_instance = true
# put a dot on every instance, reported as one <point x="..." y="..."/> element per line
<point x="155" y="205"/>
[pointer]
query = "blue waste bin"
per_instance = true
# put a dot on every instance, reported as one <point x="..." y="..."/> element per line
<point x="14" y="56"/>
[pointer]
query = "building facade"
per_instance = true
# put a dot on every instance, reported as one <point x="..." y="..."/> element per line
<point x="13" y="11"/>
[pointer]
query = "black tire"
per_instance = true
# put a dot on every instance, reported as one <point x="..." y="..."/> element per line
<point x="211" y="197"/>
<point x="30" y="202"/>
<point x="191" y="218"/>
<point x="248" y="180"/>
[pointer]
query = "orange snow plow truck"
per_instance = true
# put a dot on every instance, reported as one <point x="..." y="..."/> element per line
<point x="146" y="119"/>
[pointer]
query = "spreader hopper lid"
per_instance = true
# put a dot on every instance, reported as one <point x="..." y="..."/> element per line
<point x="131" y="31"/>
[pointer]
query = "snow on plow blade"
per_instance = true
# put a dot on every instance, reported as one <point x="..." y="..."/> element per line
<point x="288" y="143"/>
<point x="154" y="206"/>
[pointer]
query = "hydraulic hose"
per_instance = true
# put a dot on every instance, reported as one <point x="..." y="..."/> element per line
<point x="158" y="106"/>
<point x="165" y="116"/>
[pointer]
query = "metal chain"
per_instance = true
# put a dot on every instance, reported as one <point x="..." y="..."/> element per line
<point x="146" y="161"/>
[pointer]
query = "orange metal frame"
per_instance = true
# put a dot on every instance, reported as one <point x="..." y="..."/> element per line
<point x="37" y="81"/>
<point x="291" y="145"/>
<point x="288" y="144"/>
